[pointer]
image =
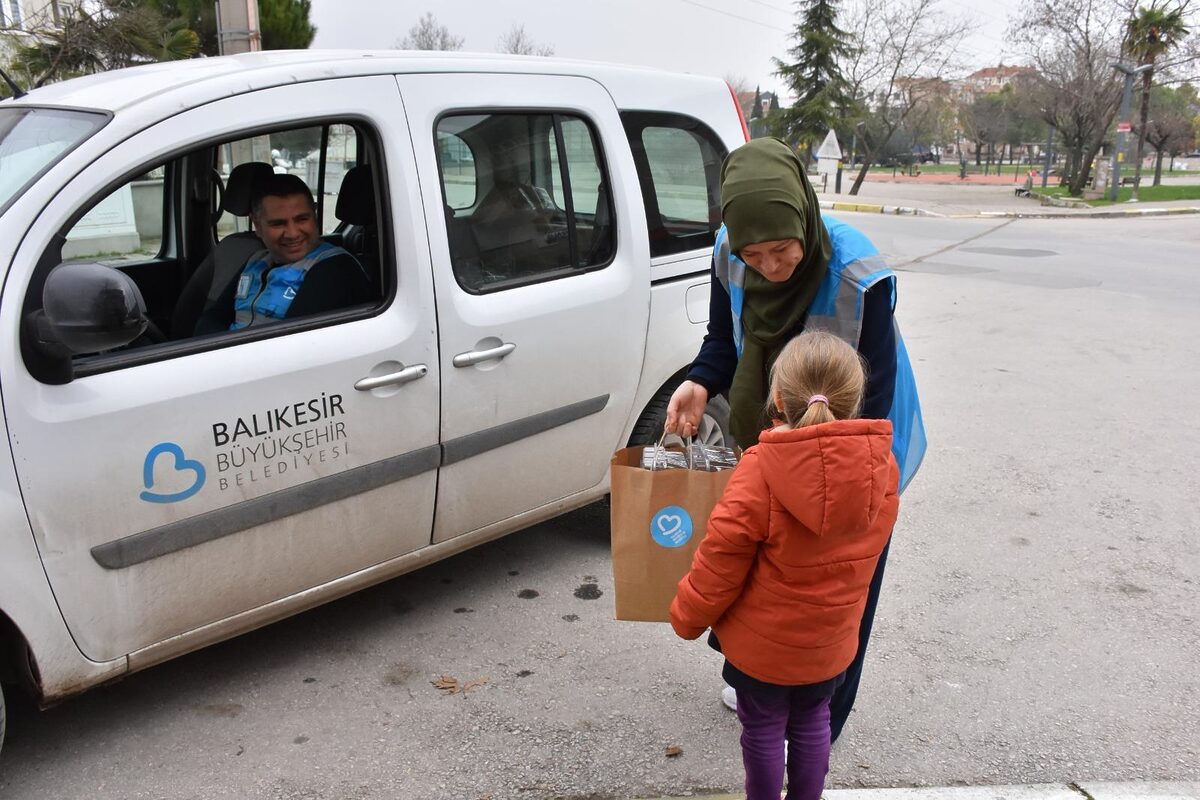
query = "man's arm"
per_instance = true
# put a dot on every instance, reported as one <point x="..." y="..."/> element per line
<point x="336" y="282"/>
<point x="218" y="315"/>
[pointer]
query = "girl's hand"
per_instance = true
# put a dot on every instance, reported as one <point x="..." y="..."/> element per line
<point x="686" y="409"/>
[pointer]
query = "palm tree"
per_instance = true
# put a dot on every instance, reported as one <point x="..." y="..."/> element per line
<point x="110" y="35"/>
<point x="1152" y="32"/>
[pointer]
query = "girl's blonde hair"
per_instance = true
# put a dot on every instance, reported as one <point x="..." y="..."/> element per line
<point x="817" y="363"/>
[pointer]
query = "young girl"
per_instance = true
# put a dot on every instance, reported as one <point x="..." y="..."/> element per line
<point x="783" y="572"/>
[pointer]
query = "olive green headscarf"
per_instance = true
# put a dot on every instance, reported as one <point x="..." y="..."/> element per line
<point x="765" y="196"/>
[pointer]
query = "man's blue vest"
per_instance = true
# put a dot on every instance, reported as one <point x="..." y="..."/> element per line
<point x="256" y="303"/>
<point x="854" y="268"/>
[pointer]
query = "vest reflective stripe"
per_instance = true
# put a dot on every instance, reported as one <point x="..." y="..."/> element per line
<point x="265" y="292"/>
<point x="855" y="267"/>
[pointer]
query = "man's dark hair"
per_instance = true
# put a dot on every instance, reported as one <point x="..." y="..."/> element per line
<point x="279" y="186"/>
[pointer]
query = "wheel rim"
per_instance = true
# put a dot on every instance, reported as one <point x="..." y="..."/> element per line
<point x="710" y="433"/>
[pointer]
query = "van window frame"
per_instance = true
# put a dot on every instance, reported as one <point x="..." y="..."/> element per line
<point x="97" y="364"/>
<point x="555" y="113"/>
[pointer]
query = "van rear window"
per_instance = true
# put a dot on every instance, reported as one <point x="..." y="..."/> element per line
<point x="33" y="139"/>
<point x="678" y="161"/>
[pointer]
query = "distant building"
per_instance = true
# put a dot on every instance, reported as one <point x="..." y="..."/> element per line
<point x="21" y="15"/>
<point x="746" y="101"/>
<point x="989" y="80"/>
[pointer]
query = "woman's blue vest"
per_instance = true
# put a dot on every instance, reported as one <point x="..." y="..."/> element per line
<point x="854" y="268"/>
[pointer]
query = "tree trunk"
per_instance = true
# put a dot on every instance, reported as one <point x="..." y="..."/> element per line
<point x="1085" y="167"/>
<point x="1158" y="167"/>
<point x="862" y="172"/>
<point x="1137" y="167"/>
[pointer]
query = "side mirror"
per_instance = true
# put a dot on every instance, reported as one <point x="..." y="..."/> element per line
<point x="86" y="308"/>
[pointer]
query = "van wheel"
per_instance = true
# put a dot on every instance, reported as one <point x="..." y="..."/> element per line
<point x="714" y="425"/>
<point x="1" y="717"/>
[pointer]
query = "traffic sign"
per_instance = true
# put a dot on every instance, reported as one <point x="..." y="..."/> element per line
<point x="830" y="149"/>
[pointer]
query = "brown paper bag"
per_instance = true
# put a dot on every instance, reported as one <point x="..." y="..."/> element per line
<point x="658" y="520"/>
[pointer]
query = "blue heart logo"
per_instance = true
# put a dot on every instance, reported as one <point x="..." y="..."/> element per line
<point x="671" y="527"/>
<point x="182" y="464"/>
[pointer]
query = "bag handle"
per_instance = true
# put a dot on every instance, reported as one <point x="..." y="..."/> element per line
<point x="689" y="448"/>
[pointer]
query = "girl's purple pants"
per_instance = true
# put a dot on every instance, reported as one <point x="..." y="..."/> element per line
<point x="767" y="720"/>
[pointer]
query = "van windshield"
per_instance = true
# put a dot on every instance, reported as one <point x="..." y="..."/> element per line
<point x="33" y="139"/>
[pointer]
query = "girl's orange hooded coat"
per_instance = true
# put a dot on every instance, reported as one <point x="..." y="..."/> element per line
<point x="782" y="574"/>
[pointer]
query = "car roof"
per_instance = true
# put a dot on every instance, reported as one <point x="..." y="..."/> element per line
<point x="188" y="82"/>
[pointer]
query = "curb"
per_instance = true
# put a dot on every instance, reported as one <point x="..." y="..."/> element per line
<point x="1131" y="212"/>
<point x="871" y="208"/>
<point x="1037" y="791"/>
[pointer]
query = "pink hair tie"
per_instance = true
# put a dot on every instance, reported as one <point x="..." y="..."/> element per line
<point x="818" y="398"/>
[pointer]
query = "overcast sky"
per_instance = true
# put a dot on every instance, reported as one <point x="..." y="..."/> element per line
<point x="721" y="38"/>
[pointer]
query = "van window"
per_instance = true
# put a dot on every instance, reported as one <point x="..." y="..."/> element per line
<point x="297" y="152"/>
<point x="531" y="204"/>
<point x="458" y="171"/>
<point x="182" y="232"/>
<point x="126" y="226"/>
<point x="678" y="160"/>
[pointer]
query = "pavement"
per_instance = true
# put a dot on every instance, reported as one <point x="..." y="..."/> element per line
<point x="1039" y="791"/>
<point x="979" y="199"/>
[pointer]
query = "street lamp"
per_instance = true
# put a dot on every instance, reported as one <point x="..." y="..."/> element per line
<point x="1124" y="124"/>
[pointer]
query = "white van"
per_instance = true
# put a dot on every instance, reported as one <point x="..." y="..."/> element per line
<point x="536" y="234"/>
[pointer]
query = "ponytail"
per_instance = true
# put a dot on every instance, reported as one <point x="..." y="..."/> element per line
<point x="817" y="378"/>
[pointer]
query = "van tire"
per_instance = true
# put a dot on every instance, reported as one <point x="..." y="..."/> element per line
<point x="714" y="428"/>
<point x="2" y="717"/>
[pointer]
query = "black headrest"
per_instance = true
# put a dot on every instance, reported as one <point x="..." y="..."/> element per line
<point x="356" y="198"/>
<point x="239" y="189"/>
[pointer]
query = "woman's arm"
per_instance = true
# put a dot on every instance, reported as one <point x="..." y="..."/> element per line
<point x="714" y="366"/>
<point x="877" y="345"/>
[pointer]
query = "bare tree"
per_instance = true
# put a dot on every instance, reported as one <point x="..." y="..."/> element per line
<point x="739" y="83"/>
<point x="517" y="42"/>
<point x="427" y="34"/>
<point x="1072" y="45"/>
<point x="903" y="49"/>
<point x="1172" y="127"/>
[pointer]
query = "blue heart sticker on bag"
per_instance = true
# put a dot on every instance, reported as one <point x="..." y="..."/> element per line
<point x="671" y="527"/>
<point x="182" y="464"/>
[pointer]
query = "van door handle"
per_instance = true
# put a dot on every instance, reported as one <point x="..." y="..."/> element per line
<point x="393" y="379"/>
<point x="472" y="357"/>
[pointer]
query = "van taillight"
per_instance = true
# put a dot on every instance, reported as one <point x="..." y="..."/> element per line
<point x="741" y="115"/>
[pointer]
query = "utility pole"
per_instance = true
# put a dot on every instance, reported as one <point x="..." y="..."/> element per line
<point x="237" y="27"/>
<point x="1124" y="124"/>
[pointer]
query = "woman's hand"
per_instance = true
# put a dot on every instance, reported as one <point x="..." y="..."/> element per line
<point x="686" y="409"/>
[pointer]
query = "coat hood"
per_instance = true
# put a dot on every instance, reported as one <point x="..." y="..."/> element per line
<point x="833" y="476"/>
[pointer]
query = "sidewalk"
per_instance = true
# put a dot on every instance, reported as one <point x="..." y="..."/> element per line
<point x="1042" y="791"/>
<point x="977" y="200"/>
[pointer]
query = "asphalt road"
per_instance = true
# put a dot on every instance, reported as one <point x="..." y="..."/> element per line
<point x="1038" y="621"/>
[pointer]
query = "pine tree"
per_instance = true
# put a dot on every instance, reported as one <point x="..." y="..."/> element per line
<point x="814" y="76"/>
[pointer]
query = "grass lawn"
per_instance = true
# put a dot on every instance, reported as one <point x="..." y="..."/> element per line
<point x="1146" y="194"/>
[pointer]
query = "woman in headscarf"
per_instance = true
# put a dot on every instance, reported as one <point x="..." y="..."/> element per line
<point x="778" y="270"/>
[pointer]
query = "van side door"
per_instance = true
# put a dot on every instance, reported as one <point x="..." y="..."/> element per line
<point x="542" y="275"/>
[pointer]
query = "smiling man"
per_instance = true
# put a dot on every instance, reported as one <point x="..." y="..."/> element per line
<point x="296" y="275"/>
